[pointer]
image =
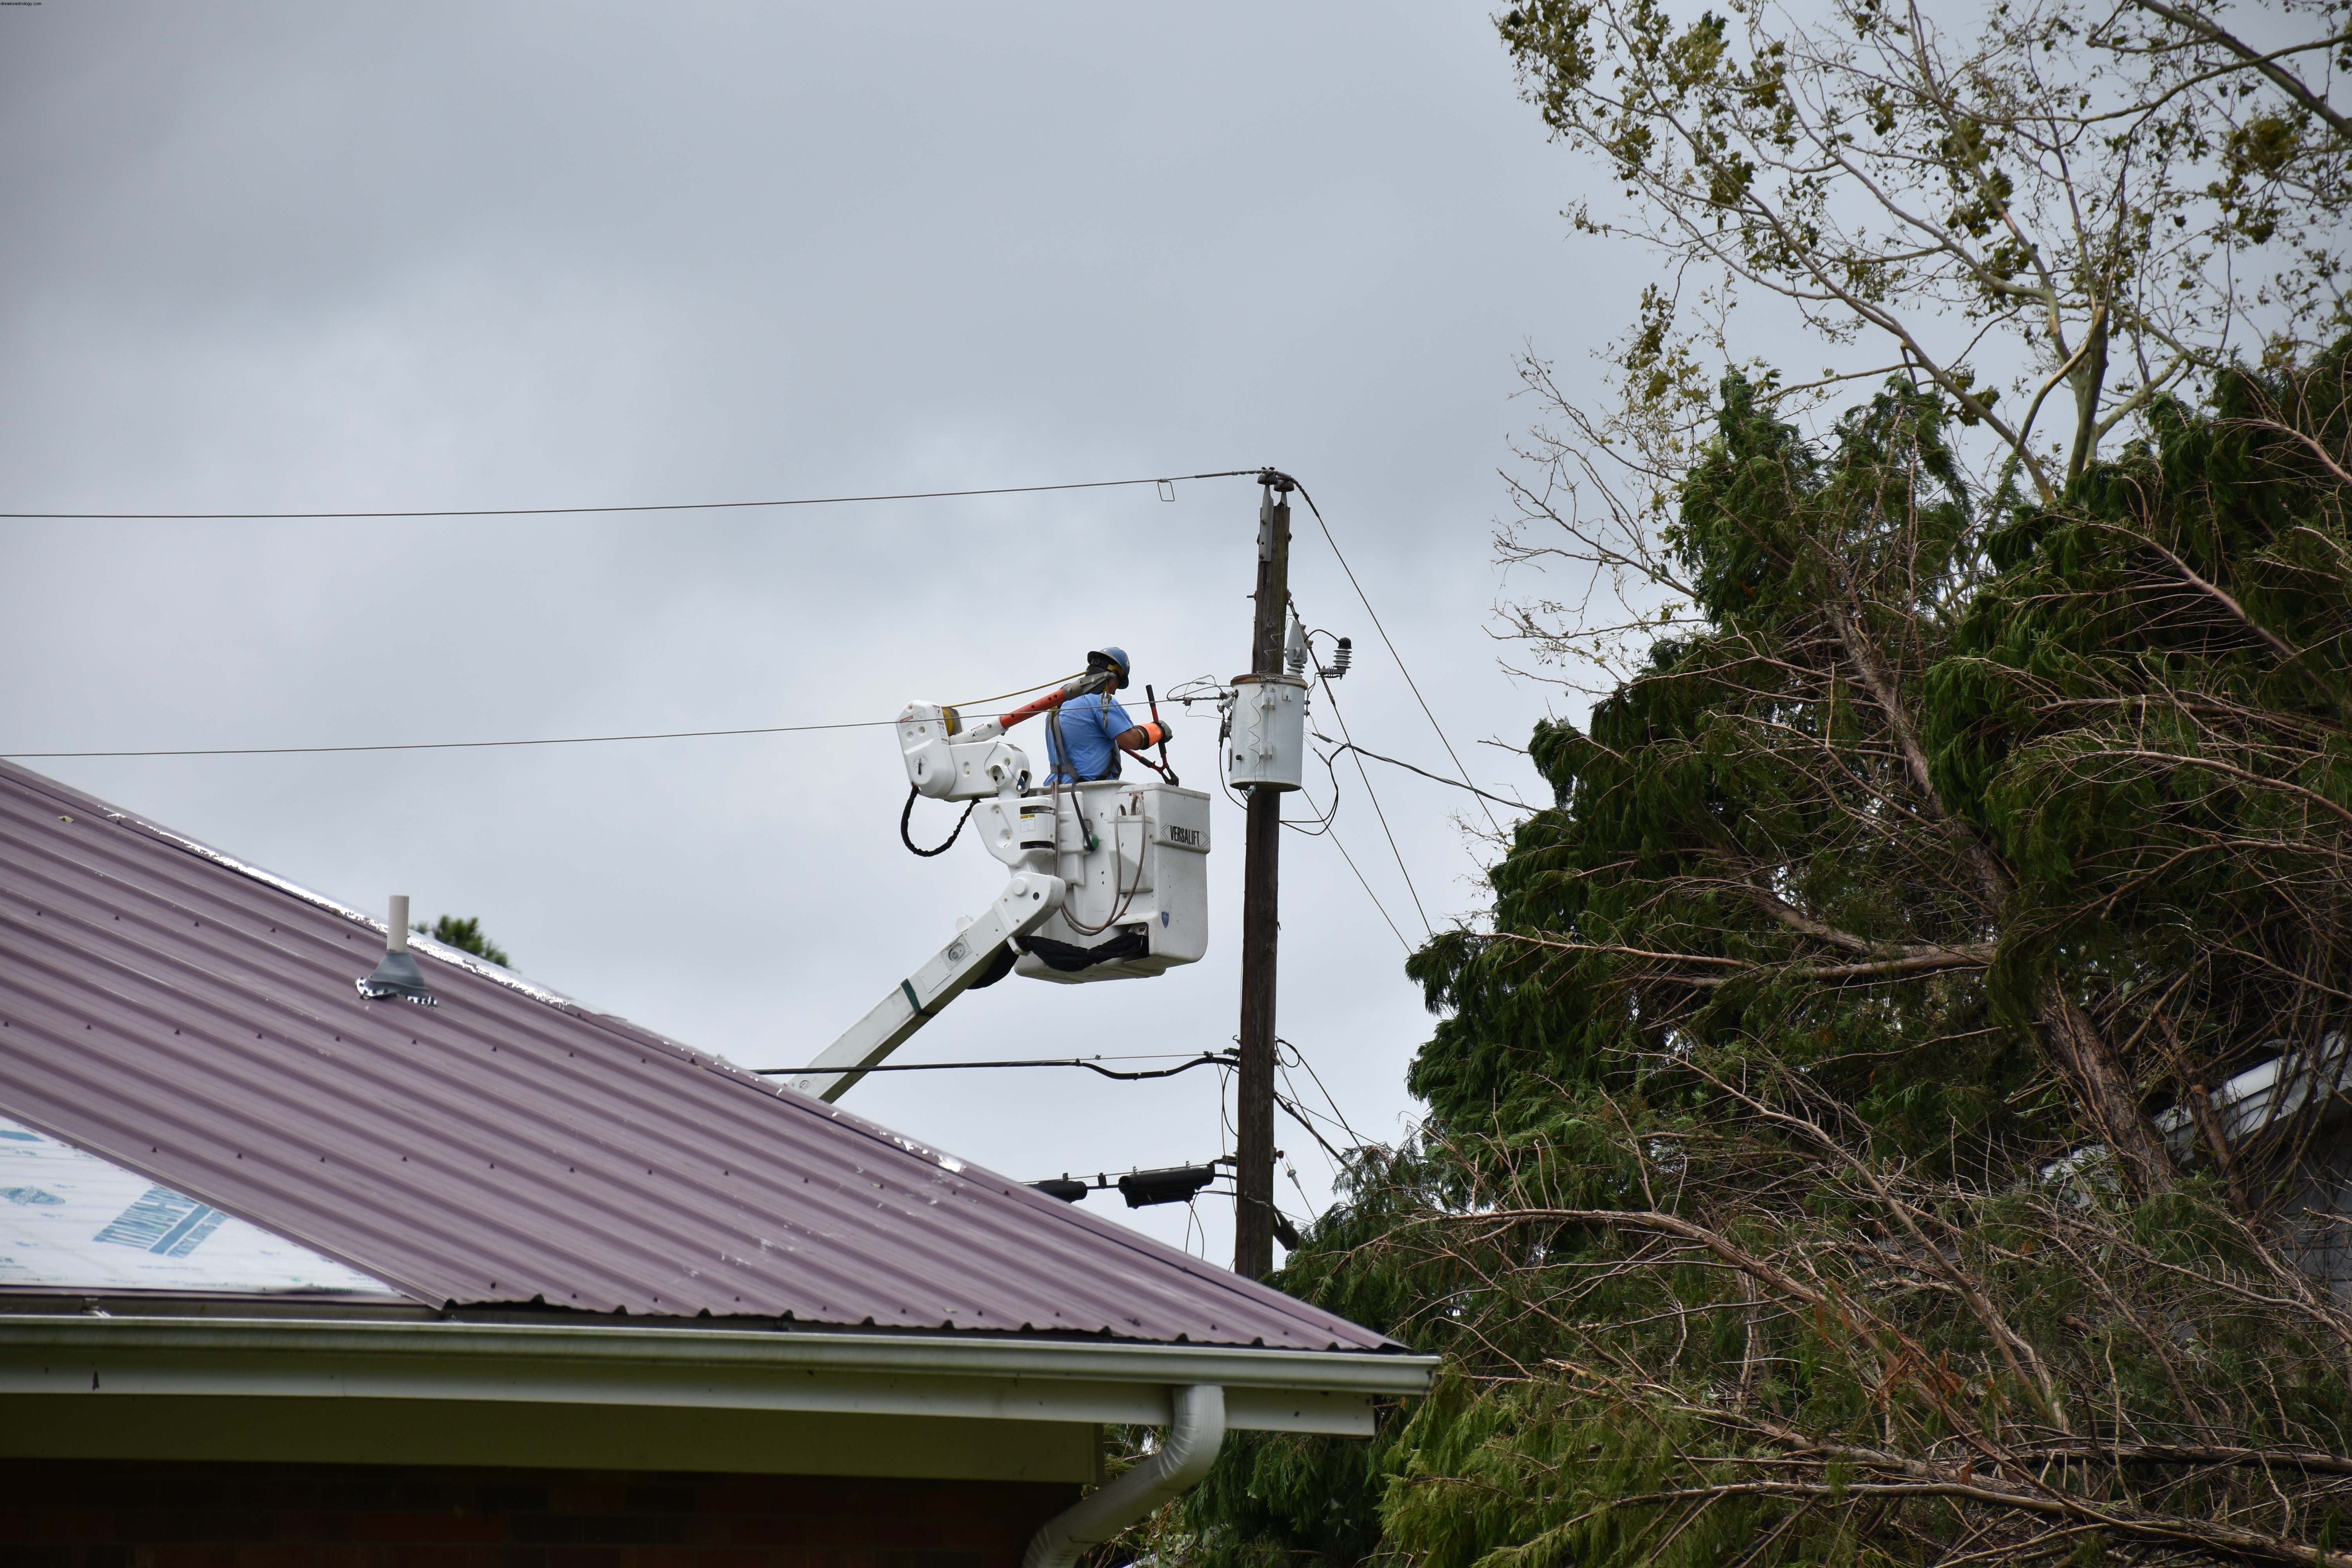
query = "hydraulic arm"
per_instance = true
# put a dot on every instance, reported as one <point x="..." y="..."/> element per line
<point x="1109" y="879"/>
<point x="1022" y="908"/>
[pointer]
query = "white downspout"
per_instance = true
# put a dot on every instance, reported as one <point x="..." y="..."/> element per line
<point x="1185" y="1453"/>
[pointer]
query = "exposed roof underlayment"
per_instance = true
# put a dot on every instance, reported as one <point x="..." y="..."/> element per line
<point x="70" y="1221"/>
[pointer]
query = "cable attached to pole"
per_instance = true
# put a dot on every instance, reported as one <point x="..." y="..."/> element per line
<point x="1168" y="483"/>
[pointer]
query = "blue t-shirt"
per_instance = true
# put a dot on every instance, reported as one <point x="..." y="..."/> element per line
<point x="1090" y="726"/>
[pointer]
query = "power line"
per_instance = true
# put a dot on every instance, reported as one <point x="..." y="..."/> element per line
<point x="1298" y="1114"/>
<point x="457" y="745"/>
<point x="1333" y="836"/>
<point x="1409" y="680"/>
<point x="590" y="510"/>
<point x="1424" y="773"/>
<point x="1373" y="795"/>
<point x="1338" y="1115"/>
<point x="1205" y="1058"/>
<point x="553" y="740"/>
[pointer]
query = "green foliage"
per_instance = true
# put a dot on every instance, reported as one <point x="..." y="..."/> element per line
<point x="1820" y="1167"/>
<point x="2098" y="199"/>
<point x="2148" y="709"/>
<point x="1745" y="1214"/>
<point x="467" y="935"/>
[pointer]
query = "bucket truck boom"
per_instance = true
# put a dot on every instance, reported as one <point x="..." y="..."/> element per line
<point x="1109" y="879"/>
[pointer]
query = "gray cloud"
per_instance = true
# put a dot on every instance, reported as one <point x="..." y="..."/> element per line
<point x="264" y="256"/>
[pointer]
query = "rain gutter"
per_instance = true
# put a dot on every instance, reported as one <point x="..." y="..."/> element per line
<point x="883" y="1374"/>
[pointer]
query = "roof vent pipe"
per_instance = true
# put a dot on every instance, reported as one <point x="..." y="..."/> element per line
<point x="1186" y="1450"/>
<point x="397" y="976"/>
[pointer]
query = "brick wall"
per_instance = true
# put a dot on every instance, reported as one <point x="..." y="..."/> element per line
<point x="111" y="1514"/>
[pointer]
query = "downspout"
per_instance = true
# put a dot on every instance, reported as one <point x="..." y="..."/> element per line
<point x="1184" y="1454"/>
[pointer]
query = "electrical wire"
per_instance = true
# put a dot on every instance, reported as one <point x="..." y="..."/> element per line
<point x="1337" y="1114"/>
<point x="1409" y="680"/>
<point x="1331" y="1156"/>
<point x="906" y="820"/>
<point x="1333" y="835"/>
<point x="1424" y="773"/>
<point x="1291" y="1084"/>
<point x="1373" y="795"/>
<point x="1308" y="1111"/>
<point x="1320" y="823"/>
<point x="1206" y="1058"/>
<point x="590" y="510"/>
<point x="1304" y="1201"/>
<point x="474" y="745"/>
<point x="458" y="745"/>
<point x="1298" y="1116"/>
<point x="1023" y="691"/>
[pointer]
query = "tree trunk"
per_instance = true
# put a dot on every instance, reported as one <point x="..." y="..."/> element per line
<point x="2106" y="1088"/>
<point x="2090" y="377"/>
<point x="2108" y="1093"/>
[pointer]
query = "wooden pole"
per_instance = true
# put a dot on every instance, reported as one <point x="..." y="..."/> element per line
<point x="1261" y="921"/>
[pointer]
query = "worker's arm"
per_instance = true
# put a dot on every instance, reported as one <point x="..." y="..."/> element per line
<point x="1144" y="736"/>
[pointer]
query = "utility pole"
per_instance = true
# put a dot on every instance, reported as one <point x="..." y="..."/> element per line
<point x="1260" y="909"/>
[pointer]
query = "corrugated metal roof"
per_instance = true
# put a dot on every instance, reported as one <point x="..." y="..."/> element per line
<point x="196" y="1020"/>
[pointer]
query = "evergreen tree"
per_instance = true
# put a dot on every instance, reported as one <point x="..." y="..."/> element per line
<point x="1760" y="1213"/>
<point x="467" y="935"/>
<point x="1822" y="1161"/>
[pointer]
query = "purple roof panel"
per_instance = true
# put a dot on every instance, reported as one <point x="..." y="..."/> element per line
<point x="196" y="1020"/>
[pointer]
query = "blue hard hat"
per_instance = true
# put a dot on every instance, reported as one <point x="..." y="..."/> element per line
<point x="1114" y="655"/>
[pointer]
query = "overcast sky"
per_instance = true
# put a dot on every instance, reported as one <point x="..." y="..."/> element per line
<point x="281" y="256"/>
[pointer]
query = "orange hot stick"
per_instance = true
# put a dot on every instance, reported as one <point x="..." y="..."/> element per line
<point x="1030" y="710"/>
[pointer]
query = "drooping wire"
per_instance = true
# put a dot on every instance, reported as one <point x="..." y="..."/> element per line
<point x="1299" y="1114"/>
<point x="1318" y="824"/>
<point x="1409" y="680"/>
<point x="1424" y="773"/>
<point x="1305" y="1202"/>
<point x="1331" y="1157"/>
<point x="1373" y="795"/>
<point x="1337" y="1114"/>
<point x="590" y="510"/>
<point x="1332" y="834"/>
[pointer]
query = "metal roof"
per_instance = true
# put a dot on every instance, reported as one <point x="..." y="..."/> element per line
<point x="75" y="1222"/>
<point x="197" y="1020"/>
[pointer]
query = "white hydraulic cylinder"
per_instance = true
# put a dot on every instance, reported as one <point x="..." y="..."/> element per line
<point x="1025" y="904"/>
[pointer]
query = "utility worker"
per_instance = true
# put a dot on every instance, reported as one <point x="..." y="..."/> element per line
<point x="1091" y="730"/>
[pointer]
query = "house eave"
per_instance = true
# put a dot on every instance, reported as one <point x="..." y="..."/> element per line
<point x="994" y="1399"/>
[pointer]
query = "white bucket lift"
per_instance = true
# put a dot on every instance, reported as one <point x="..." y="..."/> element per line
<point x="1110" y="882"/>
<point x="1133" y="860"/>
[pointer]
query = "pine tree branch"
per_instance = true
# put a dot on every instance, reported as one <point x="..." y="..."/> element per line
<point x="1863" y="654"/>
<point x="1903" y="964"/>
<point x="2212" y="591"/>
<point x="2245" y="776"/>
